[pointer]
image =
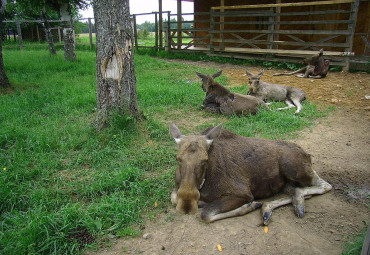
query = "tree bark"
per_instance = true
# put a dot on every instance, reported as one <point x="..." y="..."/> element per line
<point x="68" y="34"/>
<point x="49" y="36"/>
<point x="69" y="42"/>
<point x="4" y="81"/>
<point x="115" y="71"/>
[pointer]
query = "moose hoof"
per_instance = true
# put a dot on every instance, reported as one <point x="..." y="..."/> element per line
<point x="299" y="211"/>
<point x="266" y="217"/>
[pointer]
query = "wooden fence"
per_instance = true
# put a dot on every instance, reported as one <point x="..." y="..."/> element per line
<point x="274" y="32"/>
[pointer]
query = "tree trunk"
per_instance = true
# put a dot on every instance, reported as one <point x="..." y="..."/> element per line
<point x="4" y="81"/>
<point x="69" y="42"/>
<point x="68" y="34"/>
<point x="115" y="71"/>
<point x="49" y="36"/>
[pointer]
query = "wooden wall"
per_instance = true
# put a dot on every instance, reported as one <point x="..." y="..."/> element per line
<point x="362" y="24"/>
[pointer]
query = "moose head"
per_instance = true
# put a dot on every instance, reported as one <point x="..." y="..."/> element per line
<point x="315" y="59"/>
<point x="192" y="159"/>
<point x="254" y="80"/>
<point x="208" y="80"/>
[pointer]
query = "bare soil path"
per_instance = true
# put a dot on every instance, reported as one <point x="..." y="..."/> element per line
<point x="340" y="148"/>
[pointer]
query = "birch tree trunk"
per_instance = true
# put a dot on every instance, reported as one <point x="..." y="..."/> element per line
<point x="68" y="34"/>
<point x="69" y="42"/>
<point x="4" y="81"/>
<point x="115" y="71"/>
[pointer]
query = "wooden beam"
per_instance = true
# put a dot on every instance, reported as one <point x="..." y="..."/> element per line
<point x="222" y="26"/>
<point x="179" y="24"/>
<point x="281" y="5"/>
<point x="351" y="29"/>
<point x="160" y="24"/>
<point x="286" y="52"/>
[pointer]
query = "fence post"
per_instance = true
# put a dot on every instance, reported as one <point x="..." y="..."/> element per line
<point x="156" y="31"/>
<point x="19" y="31"/>
<point x="59" y="35"/>
<point x="212" y="30"/>
<point x="166" y="37"/>
<point x="38" y="32"/>
<point x="90" y="33"/>
<point x="135" y="32"/>
<point x="160" y="24"/>
<point x="270" y="36"/>
<point x="179" y="25"/>
<point x="351" y="29"/>
<point x="222" y="26"/>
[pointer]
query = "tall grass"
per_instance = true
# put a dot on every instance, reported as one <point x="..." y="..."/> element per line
<point x="63" y="186"/>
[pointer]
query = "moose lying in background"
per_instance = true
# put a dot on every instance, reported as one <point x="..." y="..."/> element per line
<point x="317" y="67"/>
<point x="220" y="99"/>
<point x="225" y="173"/>
<point x="274" y="92"/>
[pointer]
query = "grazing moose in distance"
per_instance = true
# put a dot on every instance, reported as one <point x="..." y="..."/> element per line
<point x="317" y="67"/>
<point x="225" y="173"/>
<point x="220" y="99"/>
<point x="275" y="92"/>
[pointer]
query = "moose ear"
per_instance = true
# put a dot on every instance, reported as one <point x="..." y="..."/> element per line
<point x="213" y="133"/>
<point x="217" y="74"/>
<point x="261" y="73"/>
<point x="201" y="75"/>
<point x="248" y="73"/>
<point x="175" y="132"/>
<point x="321" y="52"/>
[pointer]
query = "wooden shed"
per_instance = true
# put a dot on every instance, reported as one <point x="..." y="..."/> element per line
<point x="275" y="29"/>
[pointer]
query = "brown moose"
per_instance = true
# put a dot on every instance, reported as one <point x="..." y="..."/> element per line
<point x="275" y="92"/>
<point x="317" y="67"/>
<point x="225" y="173"/>
<point x="220" y="99"/>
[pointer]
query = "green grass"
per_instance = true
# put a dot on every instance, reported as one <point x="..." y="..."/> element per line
<point x="354" y="246"/>
<point x="62" y="185"/>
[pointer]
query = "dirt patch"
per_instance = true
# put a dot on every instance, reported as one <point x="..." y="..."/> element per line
<point x="340" y="148"/>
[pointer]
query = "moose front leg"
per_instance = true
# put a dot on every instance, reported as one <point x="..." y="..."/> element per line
<point x="227" y="207"/>
<point x="210" y="104"/>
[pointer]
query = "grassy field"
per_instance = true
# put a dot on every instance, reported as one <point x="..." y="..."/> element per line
<point x="65" y="187"/>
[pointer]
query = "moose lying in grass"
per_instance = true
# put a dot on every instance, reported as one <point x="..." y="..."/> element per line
<point x="275" y="92"/>
<point x="317" y="67"/>
<point x="225" y="173"/>
<point x="220" y="99"/>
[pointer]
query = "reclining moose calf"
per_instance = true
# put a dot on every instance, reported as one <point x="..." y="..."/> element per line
<point x="275" y="92"/>
<point x="316" y="67"/>
<point x="220" y="99"/>
<point x="225" y="173"/>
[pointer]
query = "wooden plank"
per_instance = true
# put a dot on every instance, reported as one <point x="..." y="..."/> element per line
<point x="160" y="16"/>
<point x="179" y="24"/>
<point x="290" y="43"/>
<point x="298" y="32"/>
<point x="293" y="22"/>
<point x="212" y="31"/>
<point x="191" y="29"/>
<point x="282" y="5"/>
<point x="351" y="29"/>
<point x="288" y="52"/>
<point x="222" y="20"/>
<point x="266" y="58"/>
<point x="156" y="30"/>
<point x="256" y="13"/>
